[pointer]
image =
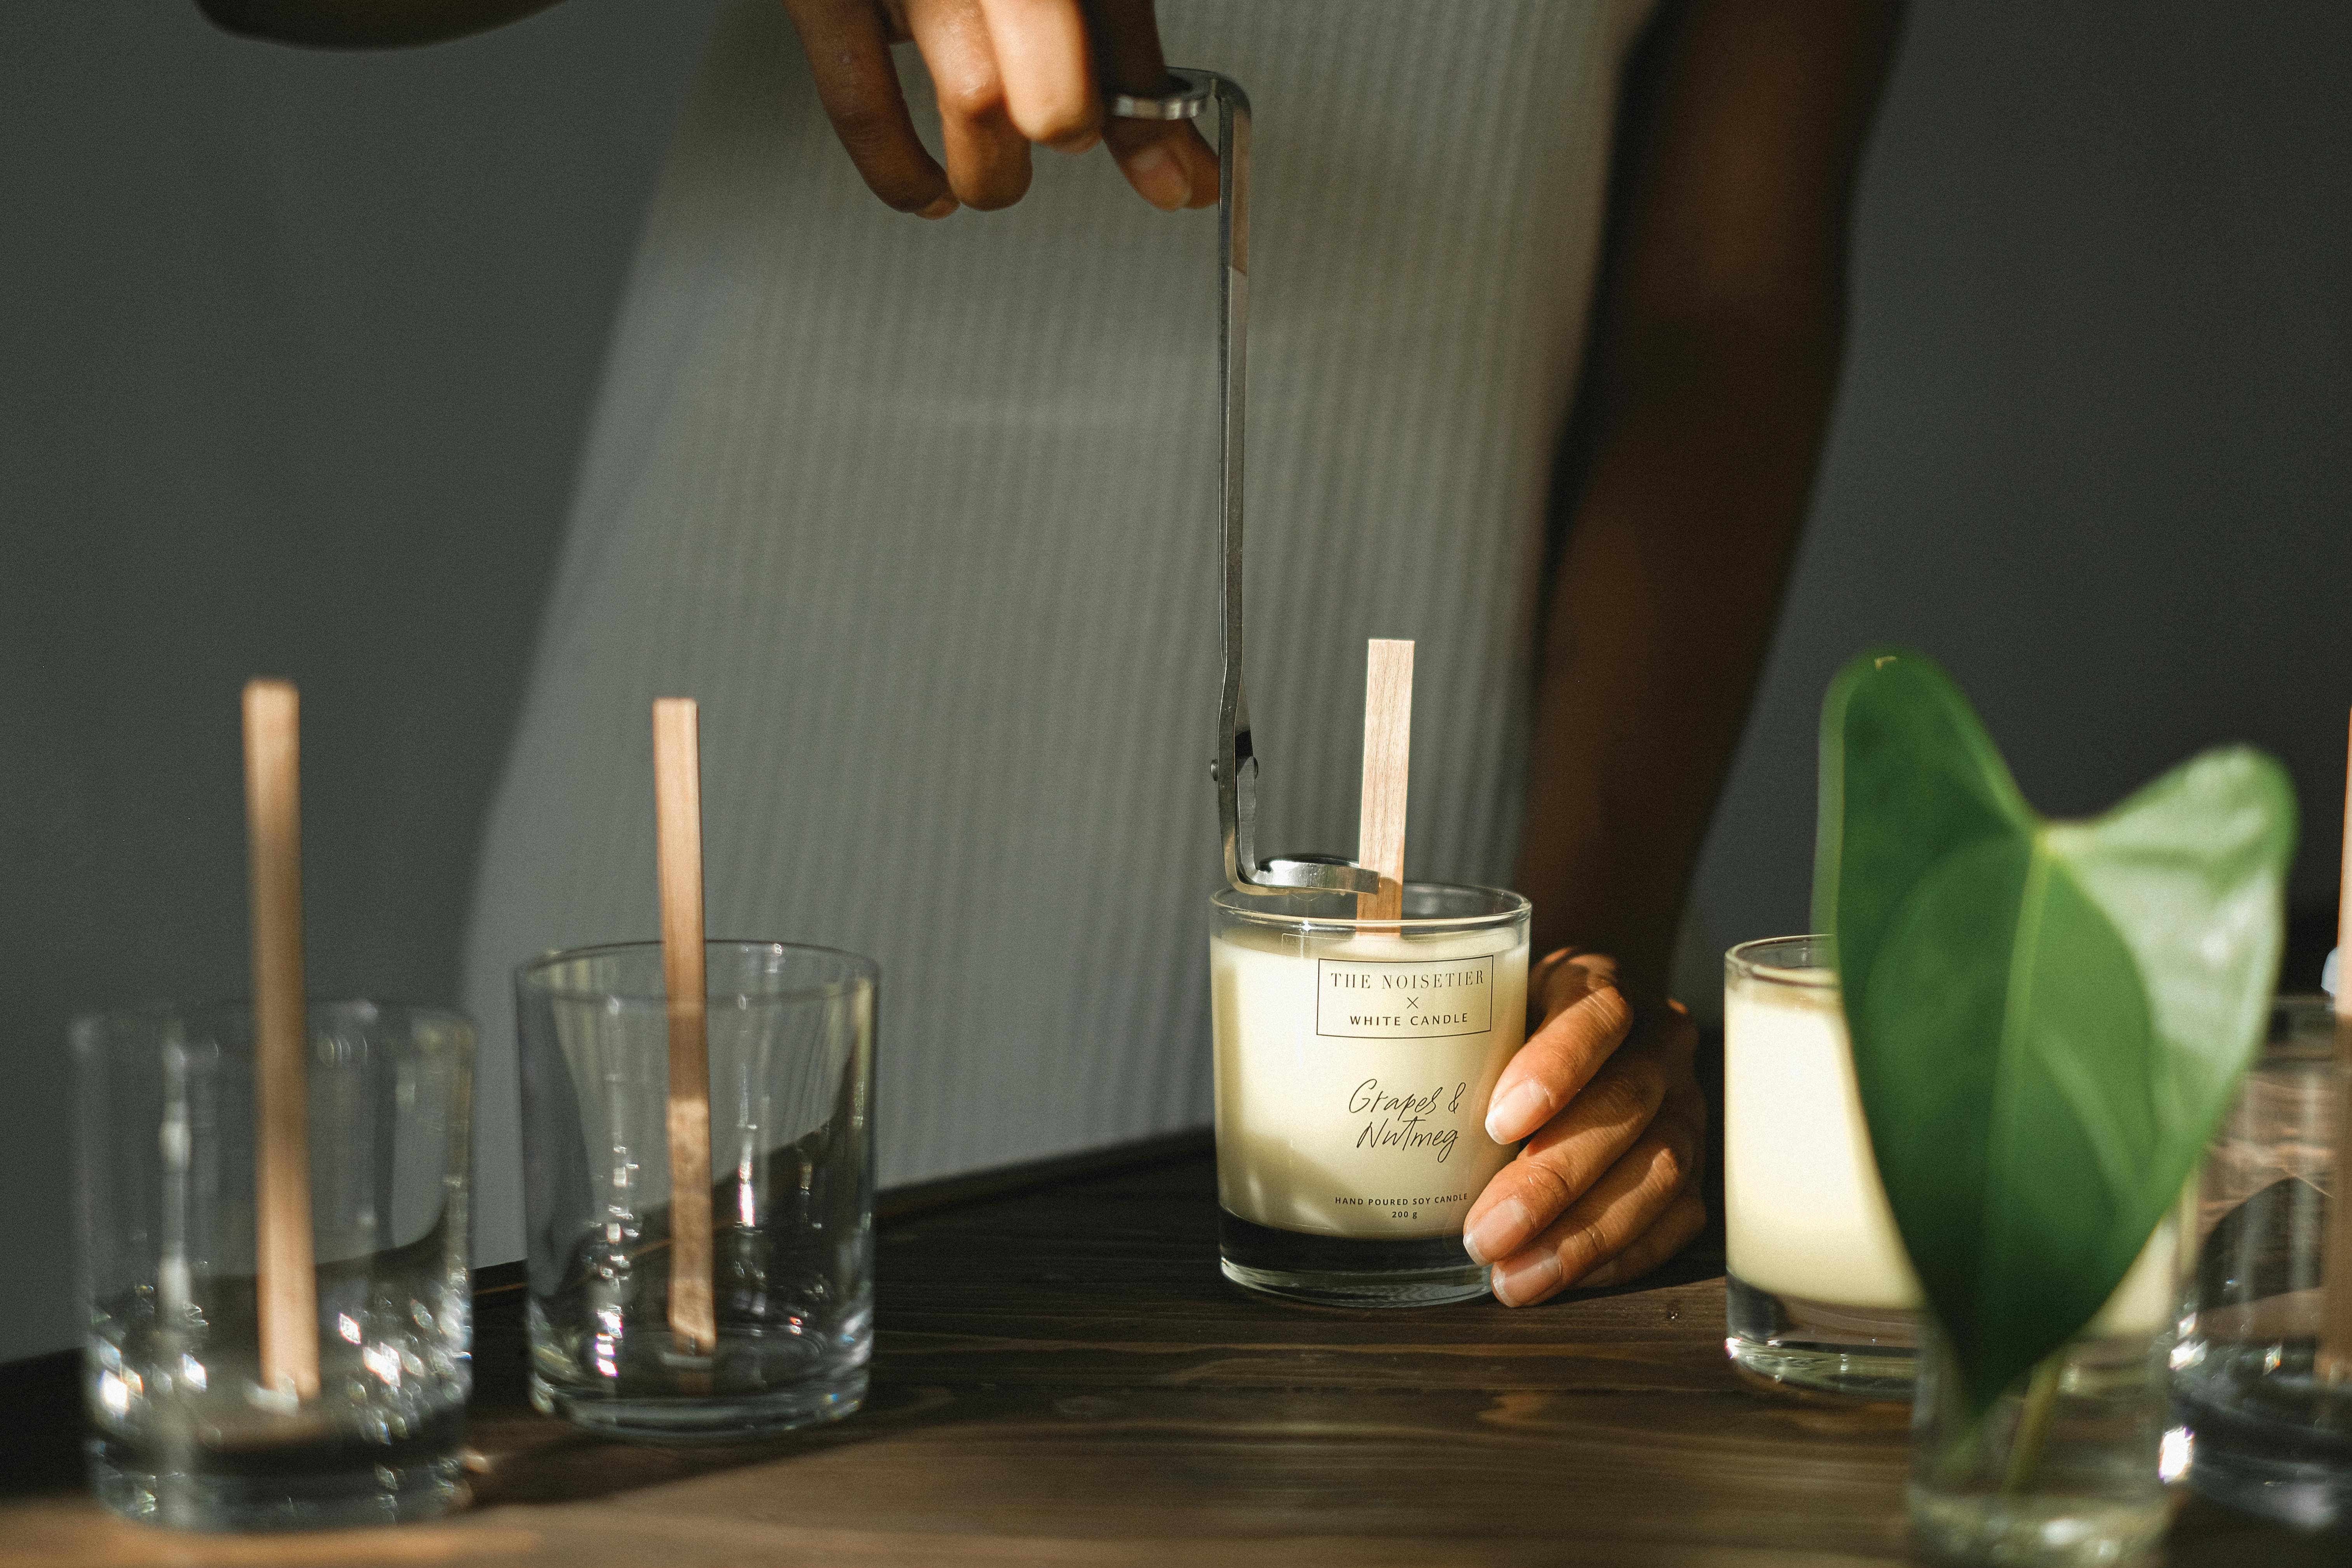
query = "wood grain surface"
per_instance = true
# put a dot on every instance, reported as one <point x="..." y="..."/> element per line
<point x="1061" y="1378"/>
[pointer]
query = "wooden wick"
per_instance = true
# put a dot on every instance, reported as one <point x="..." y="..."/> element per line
<point x="1388" y="757"/>
<point x="287" y="1279"/>
<point x="2334" y="1361"/>
<point x="678" y="806"/>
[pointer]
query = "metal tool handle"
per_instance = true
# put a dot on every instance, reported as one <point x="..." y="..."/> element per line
<point x="1235" y="765"/>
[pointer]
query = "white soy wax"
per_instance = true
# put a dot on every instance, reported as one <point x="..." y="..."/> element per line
<point x="1354" y="1067"/>
<point x="1804" y="1212"/>
<point x="1805" y="1215"/>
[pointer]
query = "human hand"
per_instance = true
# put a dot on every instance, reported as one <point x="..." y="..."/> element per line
<point x="1607" y="1188"/>
<point x="1008" y="73"/>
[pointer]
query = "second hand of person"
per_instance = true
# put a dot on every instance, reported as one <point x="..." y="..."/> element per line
<point x="1008" y="74"/>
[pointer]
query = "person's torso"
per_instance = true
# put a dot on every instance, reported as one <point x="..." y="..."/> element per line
<point x="925" y="515"/>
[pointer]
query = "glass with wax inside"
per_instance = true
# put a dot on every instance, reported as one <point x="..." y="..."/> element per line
<point x="1821" y="1296"/>
<point x="1354" y="1061"/>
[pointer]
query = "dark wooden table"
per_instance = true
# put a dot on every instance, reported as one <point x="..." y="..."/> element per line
<point x="1061" y="1378"/>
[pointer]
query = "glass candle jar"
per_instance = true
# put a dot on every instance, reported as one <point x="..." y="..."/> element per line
<point x="2271" y="1434"/>
<point x="1821" y="1296"/>
<point x="1354" y="1062"/>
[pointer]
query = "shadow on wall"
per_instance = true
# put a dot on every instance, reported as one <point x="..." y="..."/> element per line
<point x="314" y="340"/>
<point x="2091" y="450"/>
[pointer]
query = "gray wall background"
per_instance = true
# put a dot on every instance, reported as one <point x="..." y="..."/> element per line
<point x="296" y="351"/>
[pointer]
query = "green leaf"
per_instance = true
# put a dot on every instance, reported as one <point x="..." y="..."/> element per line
<point x="2049" y="1018"/>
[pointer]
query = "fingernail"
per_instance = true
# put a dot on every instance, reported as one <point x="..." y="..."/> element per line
<point x="1159" y="177"/>
<point x="1083" y="141"/>
<point x="1498" y="1231"/>
<point x="1519" y="1284"/>
<point x="1517" y="1113"/>
<point x="940" y="208"/>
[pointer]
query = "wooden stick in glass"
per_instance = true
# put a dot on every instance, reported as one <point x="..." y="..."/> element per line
<point x="2334" y="1363"/>
<point x="678" y="806"/>
<point x="1388" y="757"/>
<point x="287" y="1279"/>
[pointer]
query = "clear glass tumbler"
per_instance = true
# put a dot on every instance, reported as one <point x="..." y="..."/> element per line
<point x="791" y="1033"/>
<point x="2269" y="1436"/>
<point x="2068" y="1468"/>
<point x="1354" y="1060"/>
<point x="1820" y="1298"/>
<point x="185" y="1431"/>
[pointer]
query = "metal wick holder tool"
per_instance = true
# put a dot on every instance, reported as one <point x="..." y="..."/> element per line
<point x="1235" y="767"/>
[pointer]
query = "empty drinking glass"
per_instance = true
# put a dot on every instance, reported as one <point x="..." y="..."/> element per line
<point x="185" y="1429"/>
<point x="790" y="1041"/>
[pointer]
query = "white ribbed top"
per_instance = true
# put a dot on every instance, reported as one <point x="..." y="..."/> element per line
<point x="925" y="516"/>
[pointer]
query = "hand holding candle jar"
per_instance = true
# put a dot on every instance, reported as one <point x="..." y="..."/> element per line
<point x="1373" y="1074"/>
<point x="1604" y="1189"/>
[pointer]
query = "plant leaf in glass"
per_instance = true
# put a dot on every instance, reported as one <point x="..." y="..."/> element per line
<point x="2048" y="1017"/>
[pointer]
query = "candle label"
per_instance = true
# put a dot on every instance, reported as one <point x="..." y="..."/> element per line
<point x="1352" y="1079"/>
<point x="1389" y="1001"/>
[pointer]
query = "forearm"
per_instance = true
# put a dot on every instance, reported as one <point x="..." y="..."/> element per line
<point x="1717" y="329"/>
<point x="365" y="24"/>
<point x="1680" y="544"/>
